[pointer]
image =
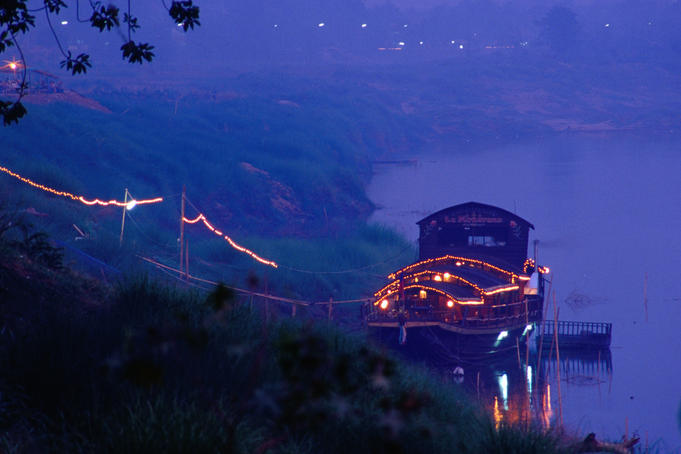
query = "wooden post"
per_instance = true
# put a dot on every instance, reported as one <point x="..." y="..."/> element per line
<point x="517" y="348"/>
<point x="125" y="207"/>
<point x="645" y="294"/>
<point x="184" y="192"/>
<point x="331" y="308"/>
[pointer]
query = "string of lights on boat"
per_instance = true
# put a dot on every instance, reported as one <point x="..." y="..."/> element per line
<point x="460" y="261"/>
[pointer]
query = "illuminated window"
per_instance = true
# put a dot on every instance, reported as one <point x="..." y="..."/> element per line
<point x="484" y="240"/>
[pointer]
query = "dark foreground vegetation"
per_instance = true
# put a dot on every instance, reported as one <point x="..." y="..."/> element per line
<point x="141" y="367"/>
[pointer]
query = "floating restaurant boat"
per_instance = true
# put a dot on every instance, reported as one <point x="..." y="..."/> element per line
<point x="473" y="289"/>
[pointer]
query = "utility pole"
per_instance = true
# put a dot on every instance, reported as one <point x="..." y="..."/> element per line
<point x="184" y="191"/>
<point x="125" y="207"/>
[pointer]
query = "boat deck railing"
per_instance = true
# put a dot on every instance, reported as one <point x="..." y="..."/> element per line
<point x="448" y="317"/>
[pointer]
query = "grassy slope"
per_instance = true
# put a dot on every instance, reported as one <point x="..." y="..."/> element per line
<point x="281" y="169"/>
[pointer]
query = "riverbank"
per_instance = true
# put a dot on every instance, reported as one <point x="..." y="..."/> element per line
<point x="141" y="367"/>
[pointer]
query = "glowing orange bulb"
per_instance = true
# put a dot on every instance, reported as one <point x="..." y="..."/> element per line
<point x="447" y="276"/>
<point x="437" y="278"/>
<point x="12" y="66"/>
<point x="384" y="304"/>
<point x="450" y="304"/>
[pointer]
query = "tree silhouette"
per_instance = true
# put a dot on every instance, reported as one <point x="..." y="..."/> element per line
<point x="17" y="19"/>
<point x="560" y="29"/>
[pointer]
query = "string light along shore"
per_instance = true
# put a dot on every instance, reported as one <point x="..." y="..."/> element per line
<point x="231" y="242"/>
<point x="129" y="204"/>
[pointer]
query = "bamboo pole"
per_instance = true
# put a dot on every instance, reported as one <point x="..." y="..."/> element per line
<point x="186" y="259"/>
<point x="555" y="334"/>
<point x="543" y="322"/>
<point x="527" y="336"/>
<point x="184" y="193"/>
<point x="645" y="294"/>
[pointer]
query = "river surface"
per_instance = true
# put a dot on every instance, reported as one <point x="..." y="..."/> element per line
<point x="607" y="214"/>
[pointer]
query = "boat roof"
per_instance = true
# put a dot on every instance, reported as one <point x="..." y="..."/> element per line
<point x="471" y="205"/>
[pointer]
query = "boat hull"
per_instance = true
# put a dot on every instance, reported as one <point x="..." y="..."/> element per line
<point x="447" y="345"/>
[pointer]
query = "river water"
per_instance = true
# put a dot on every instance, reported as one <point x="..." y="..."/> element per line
<point x="607" y="215"/>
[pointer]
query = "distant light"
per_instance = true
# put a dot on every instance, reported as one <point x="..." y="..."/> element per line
<point x="523" y="44"/>
<point x="502" y="335"/>
<point x="12" y="66"/>
<point x="181" y="24"/>
<point x="131" y="204"/>
<point x="450" y="303"/>
<point x="406" y="25"/>
<point x="384" y="304"/>
<point x="460" y="46"/>
<point x="607" y="25"/>
<point x="446" y="275"/>
<point x="65" y="22"/>
<point x="401" y="43"/>
<point x="421" y="43"/>
<point x="276" y="25"/>
<point x="453" y="42"/>
<point x="459" y="263"/>
<point x="321" y="24"/>
<point x="527" y="328"/>
<point x="364" y="25"/>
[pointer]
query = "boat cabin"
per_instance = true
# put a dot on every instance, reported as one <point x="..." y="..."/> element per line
<point x="475" y="230"/>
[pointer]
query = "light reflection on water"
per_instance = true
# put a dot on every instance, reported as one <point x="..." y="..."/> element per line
<point x="607" y="211"/>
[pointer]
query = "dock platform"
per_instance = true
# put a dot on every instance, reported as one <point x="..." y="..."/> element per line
<point x="577" y="335"/>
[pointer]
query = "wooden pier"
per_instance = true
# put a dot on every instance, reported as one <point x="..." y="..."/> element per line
<point x="577" y="335"/>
